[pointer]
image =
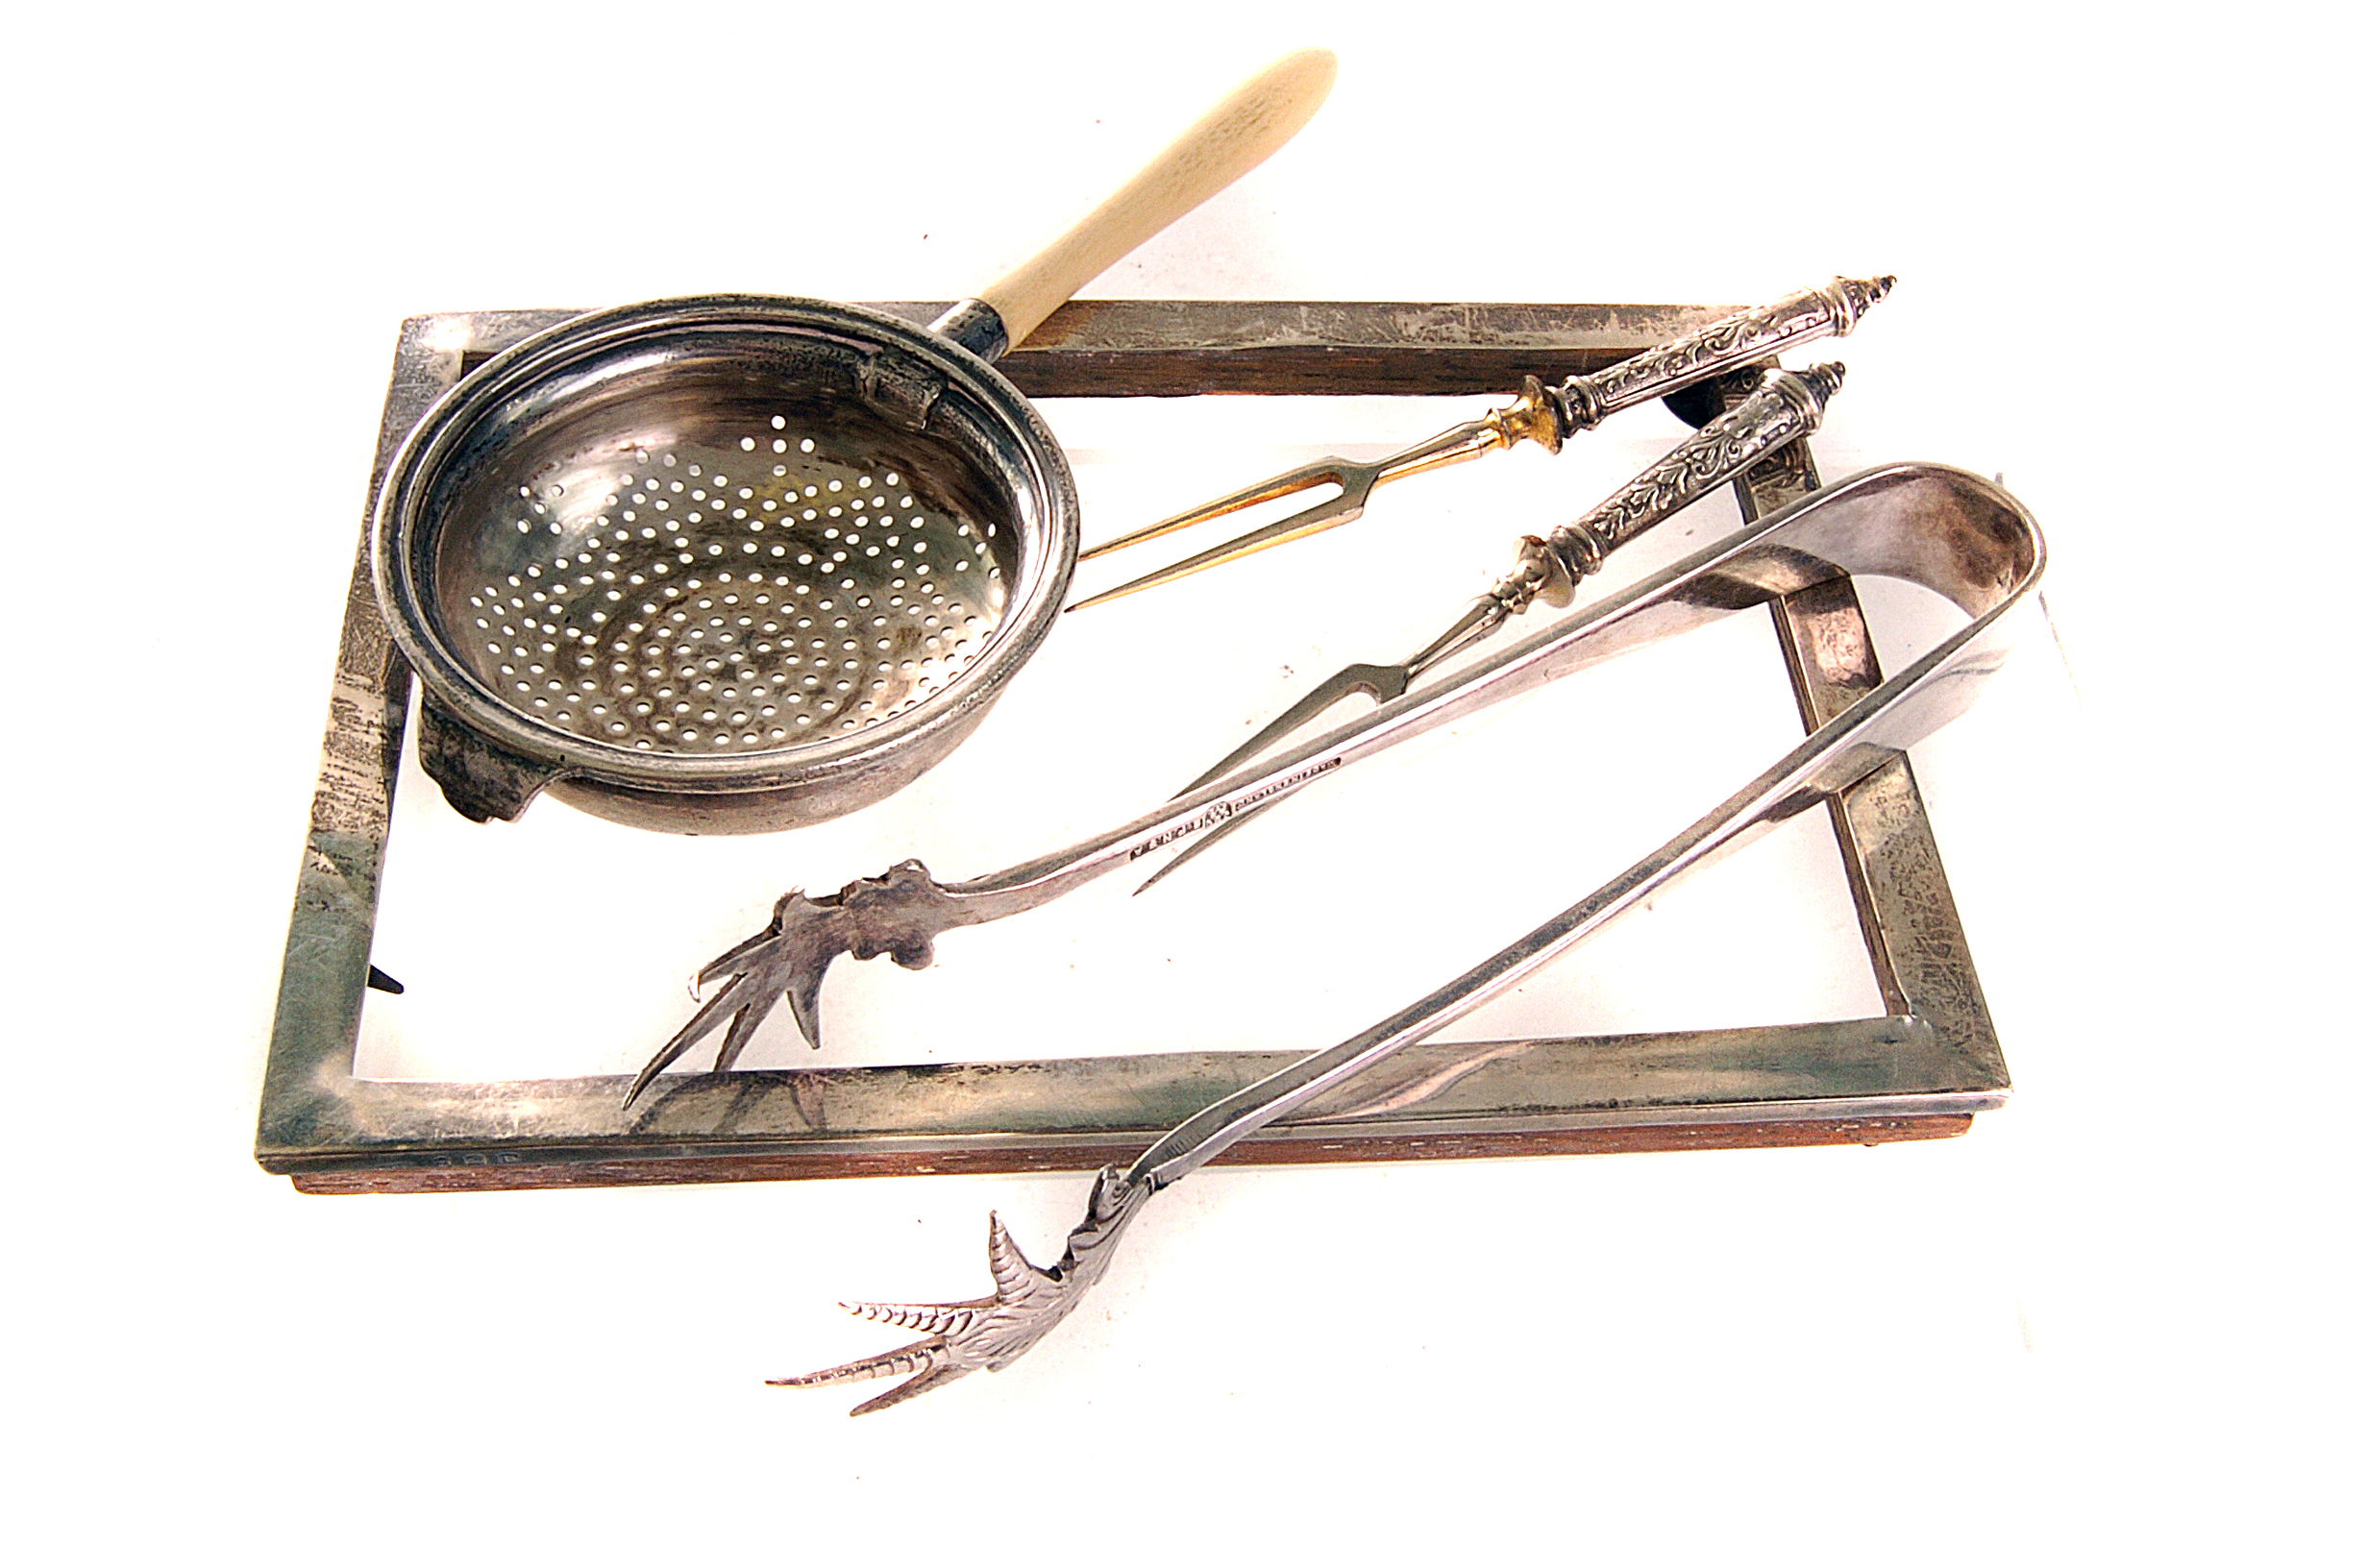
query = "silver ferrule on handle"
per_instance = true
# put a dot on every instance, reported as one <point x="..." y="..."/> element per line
<point x="1730" y="343"/>
<point x="974" y="325"/>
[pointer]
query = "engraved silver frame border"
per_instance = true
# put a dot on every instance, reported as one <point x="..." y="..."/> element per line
<point x="1921" y="1070"/>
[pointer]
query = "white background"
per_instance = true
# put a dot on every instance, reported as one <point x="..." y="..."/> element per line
<point x="2116" y="1314"/>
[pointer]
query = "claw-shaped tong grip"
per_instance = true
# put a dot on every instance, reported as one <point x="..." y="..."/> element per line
<point x="897" y="915"/>
<point x="962" y="1336"/>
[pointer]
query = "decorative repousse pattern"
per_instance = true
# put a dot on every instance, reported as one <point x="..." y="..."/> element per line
<point x="1726" y="343"/>
<point x="1786" y="406"/>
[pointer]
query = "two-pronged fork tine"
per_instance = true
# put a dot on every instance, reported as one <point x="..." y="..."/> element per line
<point x="1530" y="417"/>
<point x="1547" y="416"/>
<point x="1382" y="682"/>
<point x="1786" y="408"/>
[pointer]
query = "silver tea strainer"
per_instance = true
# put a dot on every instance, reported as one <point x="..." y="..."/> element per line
<point x="734" y="563"/>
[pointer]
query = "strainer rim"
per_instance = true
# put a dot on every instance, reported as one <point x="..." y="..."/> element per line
<point x="1036" y="595"/>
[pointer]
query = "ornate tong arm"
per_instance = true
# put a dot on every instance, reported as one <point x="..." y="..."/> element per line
<point x="1541" y="414"/>
<point x="1786" y="408"/>
<point x="1965" y="539"/>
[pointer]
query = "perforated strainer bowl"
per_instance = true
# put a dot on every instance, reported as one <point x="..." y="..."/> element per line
<point x="733" y="563"/>
<point x="719" y="564"/>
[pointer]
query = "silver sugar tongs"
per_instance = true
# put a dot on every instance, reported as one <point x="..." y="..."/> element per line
<point x="900" y="914"/>
<point x="1546" y="415"/>
<point x="1949" y="530"/>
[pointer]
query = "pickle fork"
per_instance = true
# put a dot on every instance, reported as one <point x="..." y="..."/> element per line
<point x="1545" y="415"/>
<point x="1786" y="406"/>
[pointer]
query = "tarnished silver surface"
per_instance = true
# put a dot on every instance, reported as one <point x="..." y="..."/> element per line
<point x="1545" y="415"/>
<point x="1959" y="535"/>
<point x="976" y="326"/>
<point x="901" y="912"/>
<point x="1921" y="1069"/>
<point x="1786" y="408"/>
